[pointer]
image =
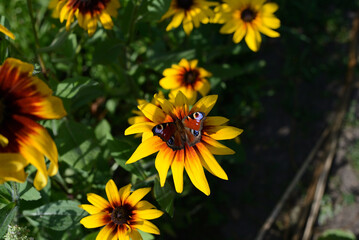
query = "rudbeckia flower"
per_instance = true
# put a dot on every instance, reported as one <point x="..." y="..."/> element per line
<point x="88" y="13"/>
<point x="247" y="18"/>
<point x="140" y="117"/>
<point x="6" y="31"/>
<point x="122" y="215"/>
<point x="24" y="100"/>
<point x="190" y="12"/>
<point x="187" y="78"/>
<point x="184" y="139"/>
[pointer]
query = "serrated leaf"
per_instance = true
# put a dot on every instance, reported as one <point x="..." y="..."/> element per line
<point x="28" y="193"/>
<point x="7" y="214"/>
<point x="164" y="196"/>
<point x="59" y="216"/>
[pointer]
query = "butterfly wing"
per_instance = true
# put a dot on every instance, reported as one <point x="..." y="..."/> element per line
<point x="193" y="125"/>
<point x="170" y="134"/>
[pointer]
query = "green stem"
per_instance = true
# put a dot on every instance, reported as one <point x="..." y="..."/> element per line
<point x="37" y="43"/>
<point x="15" y="199"/>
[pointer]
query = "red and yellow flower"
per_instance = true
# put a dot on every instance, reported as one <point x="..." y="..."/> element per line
<point x="122" y="215"/>
<point x="192" y="158"/>
<point x="247" y="19"/>
<point x="88" y="13"/>
<point x="190" y="12"/>
<point x="25" y="99"/>
<point x="7" y="32"/>
<point x="187" y="78"/>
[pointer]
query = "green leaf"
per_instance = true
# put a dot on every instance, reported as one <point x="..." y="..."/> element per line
<point x="60" y="38"/>
<point x="7" y="214"/>
<point x="5" y="195"/>
<point x="71" y="86"/>
<point x="103" y="131"/>
<point x="77" y="145"/>
<point x="337" y="234"/>
<point x="107" y="52"/>
<point x="164" y="196"/>
<point x="28" y="193"/>
<point x="59" y="216"/>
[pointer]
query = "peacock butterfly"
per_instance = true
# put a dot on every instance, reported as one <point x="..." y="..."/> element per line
<point x="181" y="132"/>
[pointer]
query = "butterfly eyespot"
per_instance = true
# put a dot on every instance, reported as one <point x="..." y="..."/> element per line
<point x="159" y="127"/>
<point x="195" y="133"/>
<point x="170" y="141"/>
<point x="198" y="115"/>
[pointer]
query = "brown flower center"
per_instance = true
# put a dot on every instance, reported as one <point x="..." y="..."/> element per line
<point x="190" y="76"/>
<point x="248" y="15"/>
<point x="185" y="4"/>
<point x="88" y="6"/>
<point x="121" y="215"/>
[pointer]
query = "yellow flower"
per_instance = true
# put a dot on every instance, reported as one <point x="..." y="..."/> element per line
<point x="88" y="13"/>
<point x="141" y="118"/>
<point x="122" y="215"/>
<point x="187" y="78"/>
<point x="190" y="12"/>
<point x="24" y="100"/>
<point x="6" y="31"/>
<point x="248" y="18"/>
<point x="184" y="139"/>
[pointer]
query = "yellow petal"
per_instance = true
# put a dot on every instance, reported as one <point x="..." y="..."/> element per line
<point x="215" y="147"/>
<point x="147" y="226"/>
<point x="3" y="141"/>
<point x="163" y="162"/>
<point x="137" y="195"/>
<point x="252" y="39"/>
<point x="203" y="87"/>
<point x="139" y="128"/>
<point x="50" y="108"/>
<point x="170" y="82"/>
<point x="90" y="208"/>
<point x="98" y="201"/>
<point x="107" y="233"/>
<point x="269" y="8"/>
<point x="195" y="171"/>
<point x="177" y="167"/>
<point x="106" y="20"/>
<point x="124" y="192"/>
<point x="135" y="235"/>
<point x="215" y="121"/>
<point x="271" y="22"/>
<point x="91" y="26"/>
<point x="112" y="193"/>
<point x="181" y="99"/>
<point x="142" y="205"/>
<point x="152" y="112"/>
<point x="187" y="26"/>
<point x="267" y="31"/>
<point x="137" y="119"/>
<point x="12" y="167"/>
<point x="96" y="220"/>
<point x="239" y="34"/>
<point x="229" y="27"/>
<point x="210" y="162"/>
<point x="7" y="32"/>
<point x="205" y="104"/>
<point x="223" y="132"/>
<point x="147" y="148"/>
<point x="176" y="20"/>
<point x="148" y="213"/>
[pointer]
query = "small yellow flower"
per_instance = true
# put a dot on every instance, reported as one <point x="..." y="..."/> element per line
<point x="6" y="31"/>
<point x="187" y="78"/>
<point x="248" y="18"/>
<point x="24" y="100"/>
<point x="184" y="139"/>
<point x="122" y="215"/>
<point x="88" y="13"/>
<point x="190" y="12"/>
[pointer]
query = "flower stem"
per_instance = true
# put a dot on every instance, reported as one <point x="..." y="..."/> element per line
<point x="15" y="199"/>
<point x="37" y="43"/>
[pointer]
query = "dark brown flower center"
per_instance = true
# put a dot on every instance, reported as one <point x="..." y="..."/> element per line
<point x="185" y="4"/>
<point x="190" y="76"/>
<point x="89" y="6"/>
<point x="248" y="15"/>
<point x="121" y="215"/>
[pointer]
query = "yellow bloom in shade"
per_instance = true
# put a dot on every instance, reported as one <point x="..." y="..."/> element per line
<point x="122" y="215"/>
<point x="187" y="78"/>
<point x="24" y="100"/>
<point x="87" y="12"/>
<point x="184" y="139"/>
<point x="247" y="19"/>
<point x="6" y="31"/>
<point x="190" y="12"/>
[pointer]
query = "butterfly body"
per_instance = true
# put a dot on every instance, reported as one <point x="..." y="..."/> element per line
<point x="181" y="132"/>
